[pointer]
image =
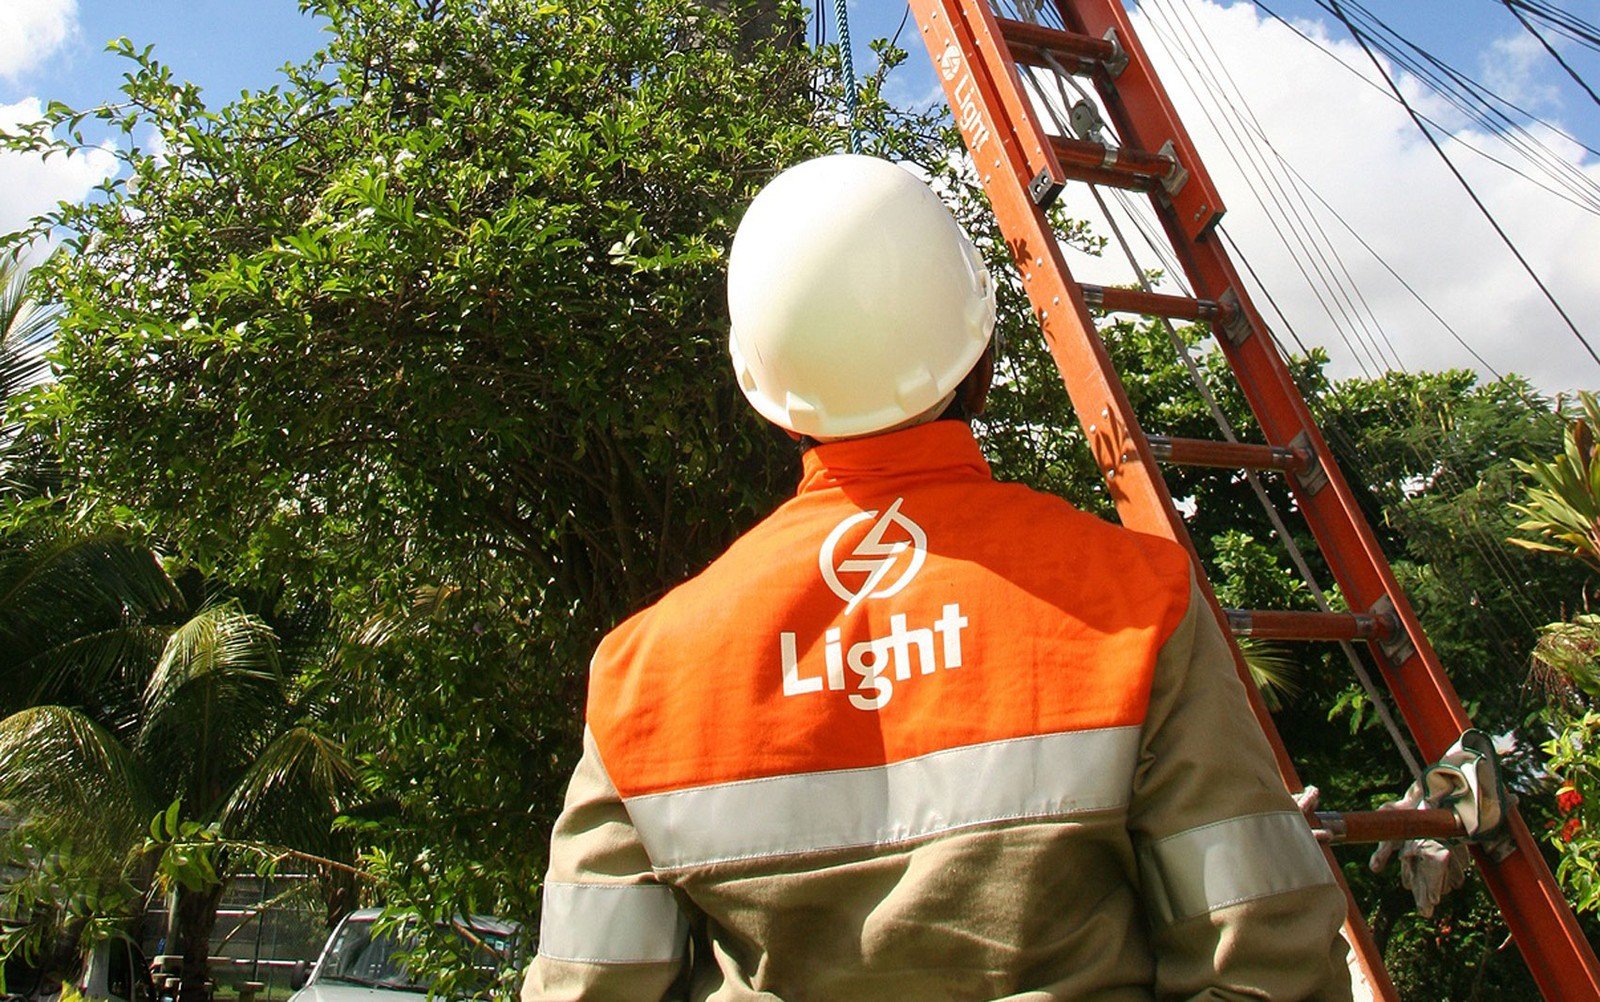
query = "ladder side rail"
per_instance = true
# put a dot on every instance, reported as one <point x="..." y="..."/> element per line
<point x="1558" y="955"/>
<point x="983" y="47"/>
<point x="1143" y="114"/>
<point x="1121" y="450"/>
<point x="1343" y="536"/>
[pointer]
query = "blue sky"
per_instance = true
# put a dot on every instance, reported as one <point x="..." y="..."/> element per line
<point x="228" y="45"/>
<point x="1353" y="147"/>
<point x="224" y="45"/>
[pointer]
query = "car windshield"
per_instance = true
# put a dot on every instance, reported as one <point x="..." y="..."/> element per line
<point x="361" y="955"/>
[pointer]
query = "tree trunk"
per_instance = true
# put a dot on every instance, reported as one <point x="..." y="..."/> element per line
<point x="194" y="917"/>
<point x="761" y="21"/>
<point x="340" y="895"/>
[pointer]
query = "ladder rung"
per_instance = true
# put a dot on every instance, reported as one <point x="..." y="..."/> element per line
<point x="1119" y="167"/>
<point x="1388" y="826"/>
<point x="1228" y="455"/>
<point x="1263" y="624"/>
<point x="1030" y="44"/>
<point x="1151" y="304"/>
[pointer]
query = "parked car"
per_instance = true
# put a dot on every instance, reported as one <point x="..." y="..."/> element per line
<point x="361" y="964"/>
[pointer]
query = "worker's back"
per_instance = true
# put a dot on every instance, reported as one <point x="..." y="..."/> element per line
<point x="922" y="735"/>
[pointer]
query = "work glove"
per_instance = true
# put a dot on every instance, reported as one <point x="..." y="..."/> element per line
<point x="1467" y="781"/>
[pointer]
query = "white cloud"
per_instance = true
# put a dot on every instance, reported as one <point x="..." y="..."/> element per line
<point x="1510" y="66"/>
<point x="30" y="185"/>
<point x="31" y="31"/>
<point x="1358" y="150"/>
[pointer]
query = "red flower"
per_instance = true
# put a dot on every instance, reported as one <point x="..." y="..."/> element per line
<point x="1570" y="829"/>
<point x="1568" y="798"/>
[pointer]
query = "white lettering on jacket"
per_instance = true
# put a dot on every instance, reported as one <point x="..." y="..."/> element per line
<point x="877" y="662"/>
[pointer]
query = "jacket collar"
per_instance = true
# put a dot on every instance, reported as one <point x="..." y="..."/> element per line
<point x="946" y="447"/>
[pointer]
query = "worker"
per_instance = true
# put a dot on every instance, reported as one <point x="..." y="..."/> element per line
<point x="919" y="734"/>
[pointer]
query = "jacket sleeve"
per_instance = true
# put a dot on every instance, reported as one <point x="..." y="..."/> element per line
<point x="608" y="930"/>
<point x="1241" y="899"/>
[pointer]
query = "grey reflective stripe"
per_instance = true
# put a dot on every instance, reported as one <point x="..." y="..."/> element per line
<point x="611" y="924"/>
<point x="1051" y="775"/>
<point x="1232" y="861"/>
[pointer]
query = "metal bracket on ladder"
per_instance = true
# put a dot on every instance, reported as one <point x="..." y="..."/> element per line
<point x="1395" y="643"/>
<point x="1044" y="189"/>
<point x="1118" y="60"/>
<point x="1235" y="325"/>
<point x="1313" y="477"/>
<point x="1173" y="180"/>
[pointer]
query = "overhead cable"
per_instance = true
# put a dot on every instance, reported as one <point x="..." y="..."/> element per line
<point x="1361" y="40"/>
<point x="1516" y="13"/>
<point x="1592" y="206"/>
<point x="1563" y="22"/>
<point x="1310" y="247"/>
<point x="1479" y="102"/>
<point x="1236" y="112"/>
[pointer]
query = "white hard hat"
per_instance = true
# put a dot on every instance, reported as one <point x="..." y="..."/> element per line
<point x="857" y="301"/>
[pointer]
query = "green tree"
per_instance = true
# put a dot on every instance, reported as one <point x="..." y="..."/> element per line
<point x="442" y="311"/>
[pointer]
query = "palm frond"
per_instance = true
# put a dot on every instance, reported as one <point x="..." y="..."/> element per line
<point x="220" y="643"/>
<point x="105" y="663"/>
<point x="213" y="700"/>
<point x="61" y="769"/>
<point x="293" y="790"/>
<point x="44" y="577"/>
<point x="26" y="328"/>
<point x="1275" y="673"/>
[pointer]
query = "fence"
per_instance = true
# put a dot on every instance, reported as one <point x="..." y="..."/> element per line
<point x="264" y="925"/>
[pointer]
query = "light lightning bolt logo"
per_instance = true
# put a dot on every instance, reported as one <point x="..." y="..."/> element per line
<point x="872" y="556"/>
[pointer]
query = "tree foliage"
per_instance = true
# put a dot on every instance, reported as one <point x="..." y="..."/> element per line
<point x="1562" y="510"/>
<point x="441" y="316"/>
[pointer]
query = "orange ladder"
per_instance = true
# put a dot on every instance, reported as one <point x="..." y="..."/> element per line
<point x="1023" y="168"/>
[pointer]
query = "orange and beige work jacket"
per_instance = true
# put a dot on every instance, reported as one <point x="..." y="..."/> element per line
<point x="923" y="735"/>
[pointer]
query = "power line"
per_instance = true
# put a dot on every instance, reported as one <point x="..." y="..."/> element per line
<point x="1312" y="239"/>
<point x="1564" y="22"/>
<point x="1479" y="103"/>
<point x="1249" y="134"/>
<point x="1512" y="7"/>
<point x="1592" y="206"/>
<point x="1338" y="11"/>
<point x="1255" y="131"/>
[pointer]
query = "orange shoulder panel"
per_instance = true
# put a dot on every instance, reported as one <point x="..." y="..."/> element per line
<point x="857" y="628"/>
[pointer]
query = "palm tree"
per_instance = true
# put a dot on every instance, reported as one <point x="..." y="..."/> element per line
<point x="123" y="690"/>
<point x="26" y="330"/>
<point x="220" y="724"/>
